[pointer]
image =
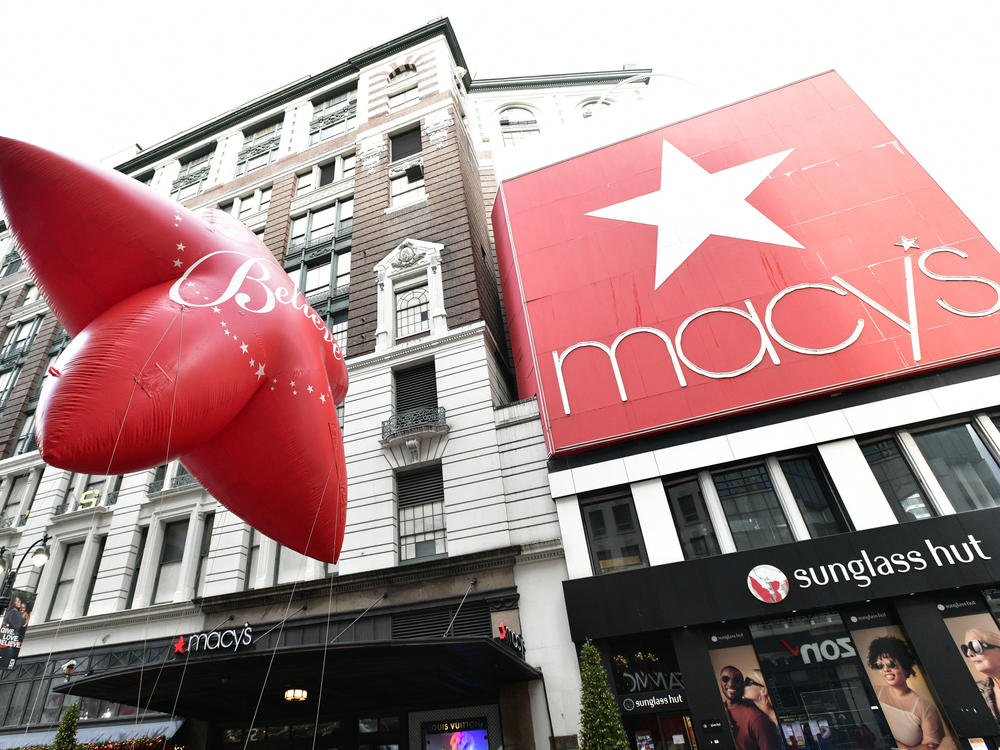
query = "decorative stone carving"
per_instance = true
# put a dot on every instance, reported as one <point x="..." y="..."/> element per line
<point x="370" y="152"/>
<point x="436" y="127"/>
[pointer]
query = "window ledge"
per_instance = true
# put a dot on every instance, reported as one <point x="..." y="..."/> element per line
<point x="405" y="105"/>
<point x="397" y="209"/>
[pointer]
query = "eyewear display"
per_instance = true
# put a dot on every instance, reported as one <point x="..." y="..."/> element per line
<point x="888" y="664"/>
<point x="975" y="647"/>
<point x="726" y="678"/>
<point x="751" y="682"/>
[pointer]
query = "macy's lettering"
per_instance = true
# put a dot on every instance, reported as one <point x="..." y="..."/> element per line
<point x="255" y="271"/>
<point x="768" y="332"/>
<point x="233" y="638"/>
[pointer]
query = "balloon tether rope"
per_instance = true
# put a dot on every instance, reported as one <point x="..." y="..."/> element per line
<point x="291" y="596"/>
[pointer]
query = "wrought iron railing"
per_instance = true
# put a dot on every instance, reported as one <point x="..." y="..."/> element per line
<point x="413" y="420"/>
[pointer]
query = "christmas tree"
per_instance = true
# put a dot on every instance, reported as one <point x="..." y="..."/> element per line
<point x="600" y="724"/>
<point x="66" y="734"/>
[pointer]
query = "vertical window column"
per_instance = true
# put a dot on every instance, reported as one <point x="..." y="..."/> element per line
<point x="192" y="551"/>
<point x="654" y="519"/>
<point x="81" y="582"/>
<point x="149" y="566"/>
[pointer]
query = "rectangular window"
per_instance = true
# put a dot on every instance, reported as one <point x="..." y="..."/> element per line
<point x="67" y="573"/>
<point x="337" y="323"/>
<point x="31" y="296"/>
<point x="260" y="148"/>
<point x="25" y="442"/>
<point x="752" y="508"/>
<point x="405" y="98"/>
<point x="406" y="189"/>
<point x="10" y="260"/>
<point x="171" y="554"/>
<point x="814" y="496"/>
<point x="333" y="115"/>
<point x="93" y="576"/>
<point x="288" y="565"/>
<point x="9" y="515"/>
<point x="206" y="546"/>
<point x="7" y="379"/>
<point x="691" y="519"/>
<point x="321" y="225"/>
<point x="193" y="175"/>
<point x="136" y="567"/>
<point x="898" y="482"/>
<point x="255" y="203"/>
<point x="405" y="145"/>
<point x="420" y="499"/>
<point x="341" y="168"/>
<point x="415" y="388"/>
<point x="967" y="472"/>
<point x="253" y="559"/>
<point x="613" y="533"/>
<point x="19" y="338"/>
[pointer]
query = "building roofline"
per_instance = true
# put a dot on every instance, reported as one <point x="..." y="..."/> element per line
<point x="556" y="79"/>
<point x="294" y="90"/>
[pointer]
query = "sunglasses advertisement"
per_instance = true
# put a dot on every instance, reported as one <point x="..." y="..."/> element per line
<point x="897" y="679"/>
<point x="977" y="639"/>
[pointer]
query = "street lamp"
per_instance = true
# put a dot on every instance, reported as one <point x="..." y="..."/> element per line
<point x="39" y="551"/>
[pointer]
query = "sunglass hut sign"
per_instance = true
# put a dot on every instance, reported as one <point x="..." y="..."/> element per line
<point x="770" y="585"/>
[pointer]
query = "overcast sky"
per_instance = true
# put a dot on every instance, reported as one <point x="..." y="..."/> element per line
<point x="89" y="79"/>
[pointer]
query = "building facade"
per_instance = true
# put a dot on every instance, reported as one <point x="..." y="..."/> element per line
<point x="772" y="422"/>
<point x="160" y="611"/>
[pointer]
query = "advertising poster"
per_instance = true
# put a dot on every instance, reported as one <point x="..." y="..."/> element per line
<point x="752" y="718"/>
<point x="12" y="626"/>
<point x="460" y="734"/>
<point x="907" y="703"/>
<point x="977" y="638"/>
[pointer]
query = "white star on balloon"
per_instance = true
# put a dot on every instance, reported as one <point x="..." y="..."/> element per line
<point x="907" y="243"/>
<point x="693" y="204"/>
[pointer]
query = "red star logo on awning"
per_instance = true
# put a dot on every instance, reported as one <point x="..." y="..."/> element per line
<point x="179" y="645"/>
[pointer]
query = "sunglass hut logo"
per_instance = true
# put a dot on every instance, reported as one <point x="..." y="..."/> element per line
<point x="770" y="585"/>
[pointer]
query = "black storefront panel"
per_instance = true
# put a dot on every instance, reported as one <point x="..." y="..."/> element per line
<point x="844" y="569"/>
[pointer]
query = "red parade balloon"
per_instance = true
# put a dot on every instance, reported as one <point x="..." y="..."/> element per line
<point x="190" y="342"/>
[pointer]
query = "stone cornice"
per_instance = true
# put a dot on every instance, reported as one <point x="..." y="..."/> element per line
<point x="399" y="575"/>
<point x="415" y="347"/>
<point x="606" y="77"/>
<point x="296" y="90"/>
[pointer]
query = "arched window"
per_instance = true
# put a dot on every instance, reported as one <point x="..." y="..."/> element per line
<point x="516" y="124"/>
<point x="403" y="72"/>
<point x="412" y="312"/>
<point x="587" y="108"/>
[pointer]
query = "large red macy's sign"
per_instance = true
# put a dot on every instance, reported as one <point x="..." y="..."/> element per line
<point x="784" y="246"/>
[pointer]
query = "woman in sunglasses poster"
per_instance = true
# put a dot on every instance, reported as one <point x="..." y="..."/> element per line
<point x="978" y="640"/>
<point x="907" y="704"/>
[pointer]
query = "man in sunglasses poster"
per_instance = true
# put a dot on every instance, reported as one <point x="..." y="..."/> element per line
<point x="751" y="727"/>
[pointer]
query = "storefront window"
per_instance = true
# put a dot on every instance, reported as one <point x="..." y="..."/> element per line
<point x="691" y="519"/>
<point x="959" y="459"/>
<point x="643" y="665"/>
<point x="818" y="686"/>
<point x="897" y="480"/>
<point x="752" y="508"/>
<point x="613" y="533"/>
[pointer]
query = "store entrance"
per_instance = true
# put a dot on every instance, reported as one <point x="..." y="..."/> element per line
<point x="660" y="732"/>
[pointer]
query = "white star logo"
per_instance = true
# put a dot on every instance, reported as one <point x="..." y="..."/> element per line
<point x="178" y="217"/>
<point x="180" y="246"/>
<point x="216" y="310"/>
<point x="243" y="347"/>
<point x="190" y="283"/>
<point x="177" y="263"/>
<point x="226" y="331"/>
<point x="907" y="243"/>
<point x="260" y="371"/>
<point x="692" y="204"/>
<point x="292" y="383"/>
<point x="322" y="398"/>
<point x="252" y="363"/>
<point x="309" y="388"/>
